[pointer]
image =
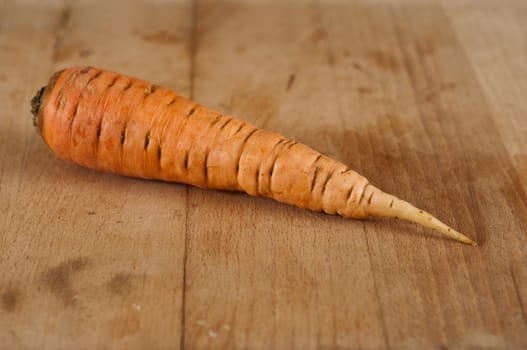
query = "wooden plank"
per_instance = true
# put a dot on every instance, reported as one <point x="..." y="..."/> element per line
<point x="261" y="274"/>
<point x="88" y="260"/>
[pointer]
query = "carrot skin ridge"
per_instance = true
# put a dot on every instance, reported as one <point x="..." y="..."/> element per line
<point x="144" y="130"/>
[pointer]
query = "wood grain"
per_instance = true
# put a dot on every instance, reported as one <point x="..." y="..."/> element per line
<point x="425" y="98"/>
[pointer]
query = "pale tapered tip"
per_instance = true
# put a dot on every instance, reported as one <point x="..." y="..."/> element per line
<point x="408" y="212"/>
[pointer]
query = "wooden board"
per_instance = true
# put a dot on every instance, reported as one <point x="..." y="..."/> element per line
<point x="425" y="98"/>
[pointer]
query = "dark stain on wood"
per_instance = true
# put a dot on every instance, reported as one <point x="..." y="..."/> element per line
<point x="318" y="35"/>
<point x="364" y="90"/>
<point x="290" y="82"/>
<point x="60" y="28"/>
<point x="384" y="59"/>
<point x="11" y="299"/>
<point x="58" y="279"/>
<point x="120" y="284"/>
<point x="85" y="52"/>
<point x="161" y="37"/>
<point x="91" y="212"/>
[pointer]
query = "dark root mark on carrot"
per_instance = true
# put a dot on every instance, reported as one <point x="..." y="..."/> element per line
<point x="185" y="160"/>
<point x="112" y="83"/>
<point x="217" y="119"/>
<point x="98" y="134"/>
<point x="330" y="175"/>
<point x="76" y="108"/>
<point x="150" y="90"/>
<point x="225" y="124"/>
<point x="391" y="203"/>
<point x="206" y="167"/>
<point x="369" y="199"/>
<point x="317" y="169"/>
<point x="98" y="74"/>
<point x="362" y="194"/>
<point x="258" y="181"/>
<point x="85" y="70"/>
<point x="238" y="130"/>
<point x="147" y="140"/>
<point x="248" y="137"/>
<point x="243" y="147"/>
<point x="192" y="110"/>
<point x="127" y="86"/>
<point x="171" y="102"/>
<point x="123" y="136"/>
<point x="272" y="171"/>
<point x="275" y="158"/>
<point x="317" y="159"/>
<point x="159" y="153"/>
<point x="350" y="193"/>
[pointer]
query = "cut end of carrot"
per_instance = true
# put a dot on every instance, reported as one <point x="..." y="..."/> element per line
<point x="35" y="106"/>
<point x="38" y="100"/>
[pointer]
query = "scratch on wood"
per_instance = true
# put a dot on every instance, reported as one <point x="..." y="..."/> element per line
<point x="290" y="82"/>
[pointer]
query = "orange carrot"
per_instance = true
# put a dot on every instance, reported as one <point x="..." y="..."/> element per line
<point x="112" y="122"/>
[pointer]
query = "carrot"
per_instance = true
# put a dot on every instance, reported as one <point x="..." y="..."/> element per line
<point x="115" y="123"/>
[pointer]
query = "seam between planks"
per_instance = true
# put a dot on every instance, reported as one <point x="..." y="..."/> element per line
<point x="192" y="76"/>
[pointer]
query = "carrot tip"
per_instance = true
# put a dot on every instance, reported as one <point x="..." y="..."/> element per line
<point x="407" y="211"/>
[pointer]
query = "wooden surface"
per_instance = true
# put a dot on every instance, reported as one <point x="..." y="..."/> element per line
<point x="425" y="98"/>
